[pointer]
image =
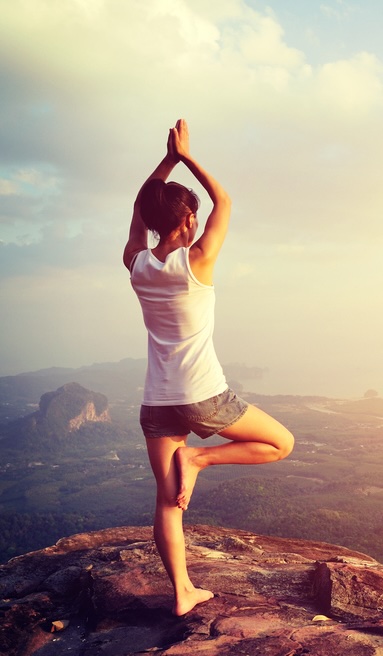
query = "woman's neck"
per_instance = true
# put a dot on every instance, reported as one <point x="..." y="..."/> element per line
<point x="169" y="244"/>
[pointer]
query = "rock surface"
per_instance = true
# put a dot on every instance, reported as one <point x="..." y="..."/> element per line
<point x="106" y="594"/>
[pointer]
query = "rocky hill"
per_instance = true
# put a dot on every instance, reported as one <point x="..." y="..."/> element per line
<point x="69" y="407"/>
<point x="106" y="594"/>
<point x="60" y="413"/>
<point x="115" y="379"/>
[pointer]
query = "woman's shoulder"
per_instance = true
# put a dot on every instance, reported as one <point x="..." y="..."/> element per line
<point x="201" y="268"/>
<point x="131" y="258"/>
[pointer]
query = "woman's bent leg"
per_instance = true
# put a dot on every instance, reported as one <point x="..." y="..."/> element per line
<point x="168" y="530"/>
<point x="256" y="438"/>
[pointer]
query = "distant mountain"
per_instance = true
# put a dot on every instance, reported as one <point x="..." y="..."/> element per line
<point x="68" y="408"/>
<point x="117" y="380"/>
<point x="60" y="413"/>
<point x="123" y="381"/>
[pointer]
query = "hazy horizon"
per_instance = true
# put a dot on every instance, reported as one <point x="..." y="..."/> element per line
<point x="236" y="372"/>
<point x="284" y="105"/>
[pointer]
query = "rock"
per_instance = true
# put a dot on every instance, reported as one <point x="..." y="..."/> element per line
<point x="60" y="414"/>
<point x="354" y="590"/>
<point x="69" y="407"/>
<point x="59" y="625"/>
<point x="110" y="592"/>
<point x="65" y="582"/>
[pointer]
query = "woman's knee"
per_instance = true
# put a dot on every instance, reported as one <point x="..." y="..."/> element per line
<point x="166" y="496"/>
<point x="286" y="445"/>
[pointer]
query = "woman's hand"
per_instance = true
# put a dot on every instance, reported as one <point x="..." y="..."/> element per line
<point x="179" y="137"/>
<point x="171" y="151"/>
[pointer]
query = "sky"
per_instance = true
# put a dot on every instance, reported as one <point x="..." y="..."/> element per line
<point x="284" y="103"/>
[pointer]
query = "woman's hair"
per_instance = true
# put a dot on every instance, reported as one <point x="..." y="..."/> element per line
<point x="163" y="206"/>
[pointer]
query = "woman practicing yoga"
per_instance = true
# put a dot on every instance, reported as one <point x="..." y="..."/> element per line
<point x="185" y="388"/>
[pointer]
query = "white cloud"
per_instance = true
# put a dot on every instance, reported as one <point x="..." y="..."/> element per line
<point x="262" y="43"/>
<point x="330" y="12"/>
<point x="129" y="69"/>
<point x="90" y="90"/>
<point x="340" y="11"/>
<point x="353" y="86"/>
<point x="35" y="178"/>
<point x="7" y="187"/>
<point x="195" y="30"/>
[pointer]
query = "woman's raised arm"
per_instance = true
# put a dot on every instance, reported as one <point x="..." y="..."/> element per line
<point x="138" y="233"/>
<point x="210" y="242"/>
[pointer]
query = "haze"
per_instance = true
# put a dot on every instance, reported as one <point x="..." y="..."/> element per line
<point x="284" y="103"/>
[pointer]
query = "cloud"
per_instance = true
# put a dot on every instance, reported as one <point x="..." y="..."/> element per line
<point x="353" y="87"/>
<point x="340" y="11"/>
<point x="7" y="187"/>
<point x="28" y="181"/>
<point x="90" y="89"/>
<point x="92" y="85"/>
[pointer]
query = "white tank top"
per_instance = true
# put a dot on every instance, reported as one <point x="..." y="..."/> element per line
<point x="178" y="312"/>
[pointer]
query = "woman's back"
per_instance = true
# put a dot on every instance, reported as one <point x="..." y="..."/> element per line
<point x="178" y="312"/>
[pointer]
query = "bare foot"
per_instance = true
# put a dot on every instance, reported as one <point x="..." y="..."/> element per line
<point x="190" y="599"/>
<point x="188" y="471"/>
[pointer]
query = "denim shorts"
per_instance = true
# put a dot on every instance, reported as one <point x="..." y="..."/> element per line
<point x="204" y="418"/>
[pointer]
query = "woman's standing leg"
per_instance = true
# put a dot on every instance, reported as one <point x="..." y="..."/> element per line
<point x="168" y="529"/>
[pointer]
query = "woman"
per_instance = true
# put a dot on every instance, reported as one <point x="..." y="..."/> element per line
<point x="185" y="388"/>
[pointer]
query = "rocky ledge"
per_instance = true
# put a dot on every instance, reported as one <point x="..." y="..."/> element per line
<point x="105" y="593"/>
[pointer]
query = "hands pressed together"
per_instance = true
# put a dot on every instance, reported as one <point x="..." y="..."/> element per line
<point x="178" y="141"/>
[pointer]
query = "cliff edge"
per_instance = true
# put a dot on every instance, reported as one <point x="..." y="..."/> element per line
<point x="105" y="593"/>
